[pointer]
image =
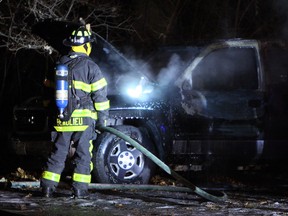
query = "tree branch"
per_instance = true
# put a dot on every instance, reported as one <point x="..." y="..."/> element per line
<point x="18" y="17"/>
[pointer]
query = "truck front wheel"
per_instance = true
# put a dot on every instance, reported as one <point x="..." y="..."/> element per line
<point x="117" y="161"/>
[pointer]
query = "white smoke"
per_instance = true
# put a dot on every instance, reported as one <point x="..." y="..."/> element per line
<point x="171" y="71"/>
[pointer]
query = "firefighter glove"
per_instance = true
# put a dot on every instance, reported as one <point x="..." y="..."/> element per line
<point x="101" y="122"/>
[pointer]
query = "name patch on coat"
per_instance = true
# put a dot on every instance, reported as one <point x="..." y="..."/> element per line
<point x="73" y="121"/>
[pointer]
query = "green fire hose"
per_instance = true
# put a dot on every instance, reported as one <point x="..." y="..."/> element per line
<point x="167" y="169"/>
<point x="219" y="197"/>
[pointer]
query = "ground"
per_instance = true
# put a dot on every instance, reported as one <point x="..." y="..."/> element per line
<point x="142" y="203"/>
<point x="253" y="193"/>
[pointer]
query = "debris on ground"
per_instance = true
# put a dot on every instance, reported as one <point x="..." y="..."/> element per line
<point x="21" y="174"/>
<point x="160" y="180"/>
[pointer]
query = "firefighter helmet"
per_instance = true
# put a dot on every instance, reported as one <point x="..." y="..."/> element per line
<point x="78" y="37"/>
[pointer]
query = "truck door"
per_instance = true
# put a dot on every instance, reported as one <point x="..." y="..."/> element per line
<point x="221" y="90"/>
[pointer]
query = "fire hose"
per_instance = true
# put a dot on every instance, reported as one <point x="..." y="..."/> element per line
<point x="166" y="168"/>
<point x="217" y="196"/>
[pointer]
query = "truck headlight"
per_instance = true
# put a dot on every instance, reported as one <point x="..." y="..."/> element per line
<point x="140" y="90"/>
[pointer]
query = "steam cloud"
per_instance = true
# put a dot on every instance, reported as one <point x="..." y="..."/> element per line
<point x="171" y="71"/>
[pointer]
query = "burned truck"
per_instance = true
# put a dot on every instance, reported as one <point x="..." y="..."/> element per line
<point x="215" y="103"/>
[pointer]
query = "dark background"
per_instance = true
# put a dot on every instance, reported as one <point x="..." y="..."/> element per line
<point x="136" y="28"/>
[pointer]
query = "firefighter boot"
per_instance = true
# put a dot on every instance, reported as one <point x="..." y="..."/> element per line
<point x="47" y="191"/>
<point x="80" y="194"/>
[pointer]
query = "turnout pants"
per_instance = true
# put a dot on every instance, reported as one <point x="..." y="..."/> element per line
<point x="82" y="158"/>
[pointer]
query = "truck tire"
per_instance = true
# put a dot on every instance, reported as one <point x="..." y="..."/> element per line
<point x="116" y="161"/>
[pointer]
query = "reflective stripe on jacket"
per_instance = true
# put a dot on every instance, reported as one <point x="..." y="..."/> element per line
<point x="79" y="121"/>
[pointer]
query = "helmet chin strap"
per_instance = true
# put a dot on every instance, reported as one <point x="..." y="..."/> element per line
<point x="85" y="48"/>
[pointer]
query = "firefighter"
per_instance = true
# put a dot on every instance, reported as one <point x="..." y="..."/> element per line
<point x="88" y="84"/>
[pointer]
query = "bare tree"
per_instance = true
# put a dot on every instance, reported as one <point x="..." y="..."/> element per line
<point x="18" y="16"/>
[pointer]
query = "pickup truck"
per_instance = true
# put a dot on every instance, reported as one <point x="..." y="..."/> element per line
<point x="218" y="103"/>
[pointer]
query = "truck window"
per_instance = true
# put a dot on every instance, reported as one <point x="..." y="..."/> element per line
<point x="226" y="69"/>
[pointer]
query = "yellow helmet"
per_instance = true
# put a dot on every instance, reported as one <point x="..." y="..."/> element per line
<point x="78" y="37"/>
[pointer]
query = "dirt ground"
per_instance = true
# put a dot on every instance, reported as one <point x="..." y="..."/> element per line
<point x="141" y="203"/>
<point x="251" y="192"/>
<point x="248" y="195"/>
